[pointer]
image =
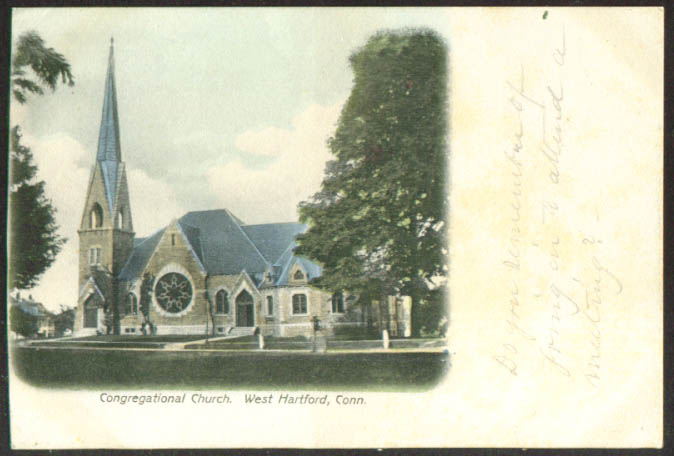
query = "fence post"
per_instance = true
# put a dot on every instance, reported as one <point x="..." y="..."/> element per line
<point x="384" y="337"/>
<point x="260" y="341"/>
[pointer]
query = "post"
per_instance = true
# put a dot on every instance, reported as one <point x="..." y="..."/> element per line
<point x="208" y="313"/>
<point x="316" y="326"/>
<point x="260" y="341"/>
<point x="384" y="337"/>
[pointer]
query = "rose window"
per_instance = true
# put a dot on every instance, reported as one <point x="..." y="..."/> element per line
<point x="173" y="292"/>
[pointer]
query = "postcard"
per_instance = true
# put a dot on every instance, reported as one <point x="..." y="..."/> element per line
<point x="336" y="227"/>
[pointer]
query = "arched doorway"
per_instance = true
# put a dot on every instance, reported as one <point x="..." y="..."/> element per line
<point x="91" y="306"/>
<point x="244" y="310"/>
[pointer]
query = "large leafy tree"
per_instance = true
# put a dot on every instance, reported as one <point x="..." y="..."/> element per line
<point x="378" y="223"/>
<point x="46" y="67"/>
<point x="33" y="239"/>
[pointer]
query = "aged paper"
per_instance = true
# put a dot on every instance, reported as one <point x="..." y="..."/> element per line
<point x="555" y="213"/>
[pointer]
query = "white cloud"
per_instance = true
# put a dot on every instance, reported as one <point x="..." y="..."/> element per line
<point x="57" y="157"/>
<point x="153" y="202"/>
<point x="272" y="193"/>
<point x="268" y="141"/>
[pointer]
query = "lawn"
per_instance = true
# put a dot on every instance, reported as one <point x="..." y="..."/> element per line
<point x="118" y="369"/>
<point x="138" y="338"/>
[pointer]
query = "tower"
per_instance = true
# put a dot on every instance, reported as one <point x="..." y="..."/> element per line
<point x="106" y="229"/>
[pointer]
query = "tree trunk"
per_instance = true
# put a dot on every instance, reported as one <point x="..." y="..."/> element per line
<point x="415" y="316"/>
<point x="115" y="313"/>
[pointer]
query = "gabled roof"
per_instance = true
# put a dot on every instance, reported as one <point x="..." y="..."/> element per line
<point x="29" y="306"/>
<point x="310" y="268"/>
<point x="142" y="251"/>
<point x="193" y="236"/>
<point x="273" y="239"/>
<point x="224" y="246"/>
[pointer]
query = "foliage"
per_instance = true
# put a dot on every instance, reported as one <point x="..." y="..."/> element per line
<point x="377" y="226"/>
<point x="64" y="320"/>
<point x="47" y="65"/>
<point x="22" y="323"/>
<point x="432" y="318"/>
<point x="33" y="238"/>
<point x="146" y="289"/>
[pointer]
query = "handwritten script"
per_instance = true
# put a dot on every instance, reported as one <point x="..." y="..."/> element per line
<point x="558" y="286"/>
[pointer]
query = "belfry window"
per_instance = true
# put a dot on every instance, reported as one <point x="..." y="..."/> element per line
<point x="173" y="240"/>
<point x="120" y="220"/>
<point x="221" y="302"/>
<point x="96" y="216"/>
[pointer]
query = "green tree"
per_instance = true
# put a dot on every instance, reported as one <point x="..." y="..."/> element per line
<point x="33" y="238"/>
<point x="64" y="320"/>
<point x="377" y="226"/>
<point x="22" y="323"/>
<point x="47" y="67"/>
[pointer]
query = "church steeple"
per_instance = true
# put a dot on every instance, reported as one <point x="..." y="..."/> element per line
<point x="109" y="150"/>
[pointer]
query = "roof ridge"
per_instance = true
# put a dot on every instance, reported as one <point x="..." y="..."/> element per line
<point x="250" y="240"/>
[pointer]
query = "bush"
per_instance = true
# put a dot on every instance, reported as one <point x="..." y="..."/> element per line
<point x="356" y="333"/>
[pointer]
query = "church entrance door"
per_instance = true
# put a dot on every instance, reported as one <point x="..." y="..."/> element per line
<point x="244" y="309"/>
<point x="91" y="312"/>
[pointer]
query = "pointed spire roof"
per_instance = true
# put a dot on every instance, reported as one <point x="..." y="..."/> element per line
<point x="109" y="151"/>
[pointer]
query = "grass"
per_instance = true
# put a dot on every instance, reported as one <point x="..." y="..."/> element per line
<point x="118" y="369"/>
<point x="139" y="338"/>
<point x="251" y="343"/>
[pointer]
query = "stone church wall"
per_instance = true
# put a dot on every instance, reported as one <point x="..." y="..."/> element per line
<point x="174" y="255"/>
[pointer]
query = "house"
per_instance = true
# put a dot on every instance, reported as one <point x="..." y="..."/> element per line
<point x="36" y="310"/>
<point x="211" y="271"/>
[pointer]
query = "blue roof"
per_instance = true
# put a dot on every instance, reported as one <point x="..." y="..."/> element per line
<point x="110" y="169"/>
<point x="142" y="251"/>
<point x="226" y="248"/>
<point x="273" y="239"/>
<point x="109" y="150"/>
<point x="193" y="235"/>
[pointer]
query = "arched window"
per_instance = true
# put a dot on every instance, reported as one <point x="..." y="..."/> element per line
<point x="120" y="220"/>
<point x="221" y="302"/>
<point x="131" y="304"/>
<point x="299" y="275"/>
<point x="96" y="216"/>
<point x="299" y="304"/>
<point x="338" y="303"/>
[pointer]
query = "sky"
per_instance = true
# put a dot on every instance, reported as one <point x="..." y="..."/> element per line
<point x="218" y="108"/>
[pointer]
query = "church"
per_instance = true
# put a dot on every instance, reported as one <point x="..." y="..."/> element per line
<point x="211" y="272"/>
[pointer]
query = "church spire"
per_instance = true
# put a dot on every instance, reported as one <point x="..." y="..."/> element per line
<point x="109" y="151"/>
